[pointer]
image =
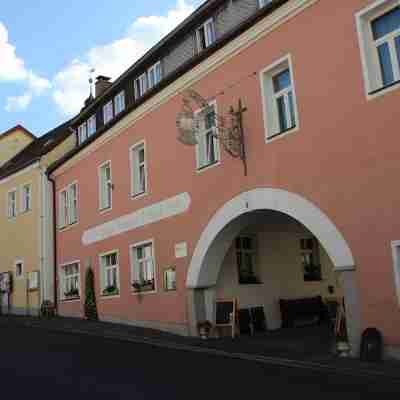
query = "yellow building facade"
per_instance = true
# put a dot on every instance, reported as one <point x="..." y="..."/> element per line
<point x="26" y="221"/>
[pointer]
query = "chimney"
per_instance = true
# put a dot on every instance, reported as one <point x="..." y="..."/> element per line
<point x="102" y="83"/>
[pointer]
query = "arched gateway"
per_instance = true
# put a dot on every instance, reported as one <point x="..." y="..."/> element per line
<point x="243" y="210"/>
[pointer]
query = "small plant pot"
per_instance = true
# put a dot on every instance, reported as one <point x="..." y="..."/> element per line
<point x="343" y="349"/>
<point x="204" y="329"/>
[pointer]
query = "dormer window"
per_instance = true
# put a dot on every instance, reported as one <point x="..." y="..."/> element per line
<point x="140" y="86"/>
<point x="91" y="126"/>
<point x="154" y="74"/>
<point x="263" y="3"/>
<point x="205" y="35"/>
<point x="108" y="112"/>
<point x="82" y="133"/>
<point x="119" y="102"/>
<point x="87" y="129"/>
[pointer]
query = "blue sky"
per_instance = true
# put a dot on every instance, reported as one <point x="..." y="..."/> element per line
<point x="47" y="49"/>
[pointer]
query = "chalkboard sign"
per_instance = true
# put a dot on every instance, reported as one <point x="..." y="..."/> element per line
<point x="226" y="313"/>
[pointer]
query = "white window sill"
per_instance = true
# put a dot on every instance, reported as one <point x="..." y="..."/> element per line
<point x="384" y="90"/>
<point x="105" y="210"/>
<point x="72" y="300"/>
<point x="111" y="296"/>
<point x="135" y="196"/>
<point x="138" y="293"/>
<point x="68" y="227"/>
<point x="23" y="212"/>
<point x="200" y="170"/>
<point x="278" y="136"/>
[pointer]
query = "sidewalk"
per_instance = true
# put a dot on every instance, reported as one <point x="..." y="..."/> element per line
<point x="240" y="348"/>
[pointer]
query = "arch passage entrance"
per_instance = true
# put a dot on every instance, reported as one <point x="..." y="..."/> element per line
<point x="265" y="214"/>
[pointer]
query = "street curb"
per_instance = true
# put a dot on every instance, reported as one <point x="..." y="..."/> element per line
<point x="277" y="361"/>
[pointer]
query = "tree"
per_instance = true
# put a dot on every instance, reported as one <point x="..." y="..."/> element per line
<point x="90" y="296"/>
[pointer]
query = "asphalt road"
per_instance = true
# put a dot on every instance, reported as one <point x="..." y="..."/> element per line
<point x="57" y="366"/>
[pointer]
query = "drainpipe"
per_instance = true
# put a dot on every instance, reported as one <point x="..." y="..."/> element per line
<point x="54" y="241"/>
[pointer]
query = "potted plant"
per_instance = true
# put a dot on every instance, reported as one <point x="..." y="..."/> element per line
<point x="72" y="293"/>
<point x="143" y="286"/>
<point x="204" y="328"/>
<point x="110" y="290"/>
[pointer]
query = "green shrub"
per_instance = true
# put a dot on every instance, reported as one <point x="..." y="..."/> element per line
<point x="90" y="296"/>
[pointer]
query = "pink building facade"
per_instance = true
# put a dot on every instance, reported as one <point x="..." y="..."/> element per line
<point x="159" y="221"/>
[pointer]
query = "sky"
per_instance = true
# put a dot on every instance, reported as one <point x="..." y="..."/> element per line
<point x="47" y="49"/>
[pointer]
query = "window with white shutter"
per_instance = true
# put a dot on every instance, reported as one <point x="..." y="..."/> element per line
<point x="138" y="169"/>
<point x="105" y="186"/>
<point x="143" y="267"/>
<point x="207" y="148"/>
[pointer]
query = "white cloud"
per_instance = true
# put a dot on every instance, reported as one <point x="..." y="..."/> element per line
<point x="12" y="69"/>
<point x="70" y="85"/>
<point x="18" y="103"/>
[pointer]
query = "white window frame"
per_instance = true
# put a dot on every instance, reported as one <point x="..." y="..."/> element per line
<point x="108" y="112"/>
<point x="102" y="206"/>
<point x="153" y="70"/>
<point x="64" y="209"/>
<point x="132" y="258"/>
<point x="395" y="244"/>
<point x="202" y="167"/>
<point x="119" y="102"/>
<point x="82" y="133"/>
<point x="63" y="278"/>
<point x="103" y="271"/>
<point x="270" y="111"/>
<point x="134" y="163"/>
<point x="140" y="85"/>
<point x="373" y="84"/>
<point x="25" y="205"/>
<point x="91" y="126"/>
<point x="21" y="275"/>
<point x="209" y="41"/>
<point x="263" y="3"/>
<point x="12" y="215"/>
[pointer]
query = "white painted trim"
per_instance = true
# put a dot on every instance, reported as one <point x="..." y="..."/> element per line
<point x="153" y="213"/>
<point x="396" y="266"/>
<point x="257" y="31"/>
<point x="105" y="209"/>
<point x="60" y="281"/>
<point x="67" y="225"/>
<point x="362" y="17"/>
<point x="19" y="261"/>
<point x="12" y="190"/>
<point x="20" y="172"/>
<point x="22" y="211"/>
<point x="101" y="286"/>
<point x="133" y="246"/>
<point x="199" y="169"/>
<point x="268" y="73"/>
<point x="131" y="164"/>
<point x="279" y="200"/>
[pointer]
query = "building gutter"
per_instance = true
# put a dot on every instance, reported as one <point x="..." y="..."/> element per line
<point x="51" y="180"/>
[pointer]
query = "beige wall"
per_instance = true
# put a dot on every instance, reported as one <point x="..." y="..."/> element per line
<point x="279" y="268"/>
<point x="19" y="236"/>
<point x="63" y="148"/>
<point x="29" y="236"/>
<point x="12" y="144"/>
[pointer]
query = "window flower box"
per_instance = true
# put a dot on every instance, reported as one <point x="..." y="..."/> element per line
<point x="110" y="291"/>
<point x="144" y="286"/>
<point x="72" y="294"/>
